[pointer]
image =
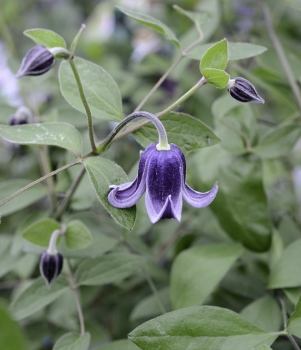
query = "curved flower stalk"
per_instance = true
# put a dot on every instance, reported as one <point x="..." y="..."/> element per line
<point x="162" y="176"/>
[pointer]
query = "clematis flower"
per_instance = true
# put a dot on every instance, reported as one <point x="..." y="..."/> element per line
<point x="50" y="266"/>
<point x="162" y="176"/>
<point x="242" y="90"/>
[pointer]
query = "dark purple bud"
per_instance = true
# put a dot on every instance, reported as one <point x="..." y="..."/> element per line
<point x="37" y="61"/>
<point x="22" y="116"/>
<point x="242" y="90"/>
<point x="50" y="266"/>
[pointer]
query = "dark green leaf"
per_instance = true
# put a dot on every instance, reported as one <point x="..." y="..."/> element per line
<point x="187" y="132"/>
<point x="103" y="173"/>
<point x="119" y="345"/>
<point x="45" y="37"/>
<point x="11" y="337"/>
<point x="40" y="232"/>
<point x="285" y="272"/>
<point x="73" y="341"/>
<point x="191" y="283"/>
<point x="201" y="327"/>
<point x="216" y="57"/>
<point x="216" y="77"/>
<point x="108" y="269"/>
<point x="77" y="235"/>
<point x="53" y="134"/>
<point x="151" y="23"/>
<point x="36" y="297"/>
<point x="100" y="89"/>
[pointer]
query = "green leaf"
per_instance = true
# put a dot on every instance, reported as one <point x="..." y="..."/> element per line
<point x="216" y="57"/>
<point x="123" y="344"/>
<point x="100" y="89"/>
<point x="73" y="341"/>
<point x="187" y="132"/>
<point x="191" y="283"/>
<point x="24" y="199"/>
<point x="285" y="272"/>
<point x="11" y="337"/>
<point x="45" y="37"/>
<point x="216" y="77"/>
<point x="103" y="173"/>
<point x="7" y="260"/>
<point x="77" y="235"/>
<point x="237" y="51"/>
<point x="278" y="141"/>
<point x="201" y="327"/>
<point x="36" y="297"/>
<point x="265" y="347"/>
<point x="264" y="313"/>
<point x="108" y="269"/>
<point x="197" y="18"/>
<point x="151" y="23"/>
<point x="53" y="134"/>
<point x="40" y="232"/>
<point x="294" y="323"/>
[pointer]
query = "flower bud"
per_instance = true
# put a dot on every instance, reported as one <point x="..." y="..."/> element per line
<point x="22" y="116"/>
<point x="50" y="266"/>
<point x="242" y="90"/>
<point x="37" y="61"/>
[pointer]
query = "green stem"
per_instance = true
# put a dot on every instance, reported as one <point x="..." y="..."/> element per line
<point x="76" y="298"/>
<point x="45" y="177"/>
<point x="65" y="202"/>
<point x="75" y="40"/>
<point x="282" y="57"/>
<point x="154" y="290"/>
<point x="85" y="103"/>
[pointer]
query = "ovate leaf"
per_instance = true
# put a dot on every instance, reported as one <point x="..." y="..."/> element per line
<point x="45" y="37"/>
<point x="191" y="283"/>
<point x="100" y="89"/>
<point x="216" y="77"/>
<point x="203" y="327"/>
<point x="11" y="337"/>
<point x="187" y="132"/>
<point x="103" y="173"/>
<point x="216" y="57"/>
<point x="40" y="232"/>
<point x="294" y="323"/>
<point x="107" y="269"/>
<point x="73" y="341"/>
<point x="151" y="23"/>
<point x="77" y="235"/>
<point x="36" y="297"/>
<point x="52" y="134"/>
<point x="285" y="272"/>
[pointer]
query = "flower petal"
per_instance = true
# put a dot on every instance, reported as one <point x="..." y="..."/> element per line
<point x="126" y="195"/>
<point x="198" y="199"/>
<point x="163" y="186"/>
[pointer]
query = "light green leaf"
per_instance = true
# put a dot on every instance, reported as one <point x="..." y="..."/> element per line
<point x="108" y="269"/>
<point x="264" y="313"/>
<point x="100" y="89"/>
<point x="286" y="271"/>
<point x="200" y="327"/>
<point x="216" y="57"/>
<point x="265" y="347"/>
<point x="11" y="337"/>
<point x="77" y="235"/>
<point x="151" y="23"/>
<point x="45" y="37"/>
<point x="237" y="51"/>
<point x="216" y="77"/>
<point x="73" y="341"/>
<point x="40" y="232"/>
<point x="53" y="134"/>
<point x="187" y="132"/>
<point x="191" y="283"/>
<point x="196" y="17"/>
<point x="119" y="345"/>
<point x="278" y="141"/>
<point x="7" y="260"/>
<point x="24" y="199"/>
<point x="103" y="173"/>
<point x="36" y="297"/>
<point x="294" y="323"/>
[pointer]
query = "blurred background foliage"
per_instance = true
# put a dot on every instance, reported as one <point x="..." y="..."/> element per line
<point x="259" y="200"/>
